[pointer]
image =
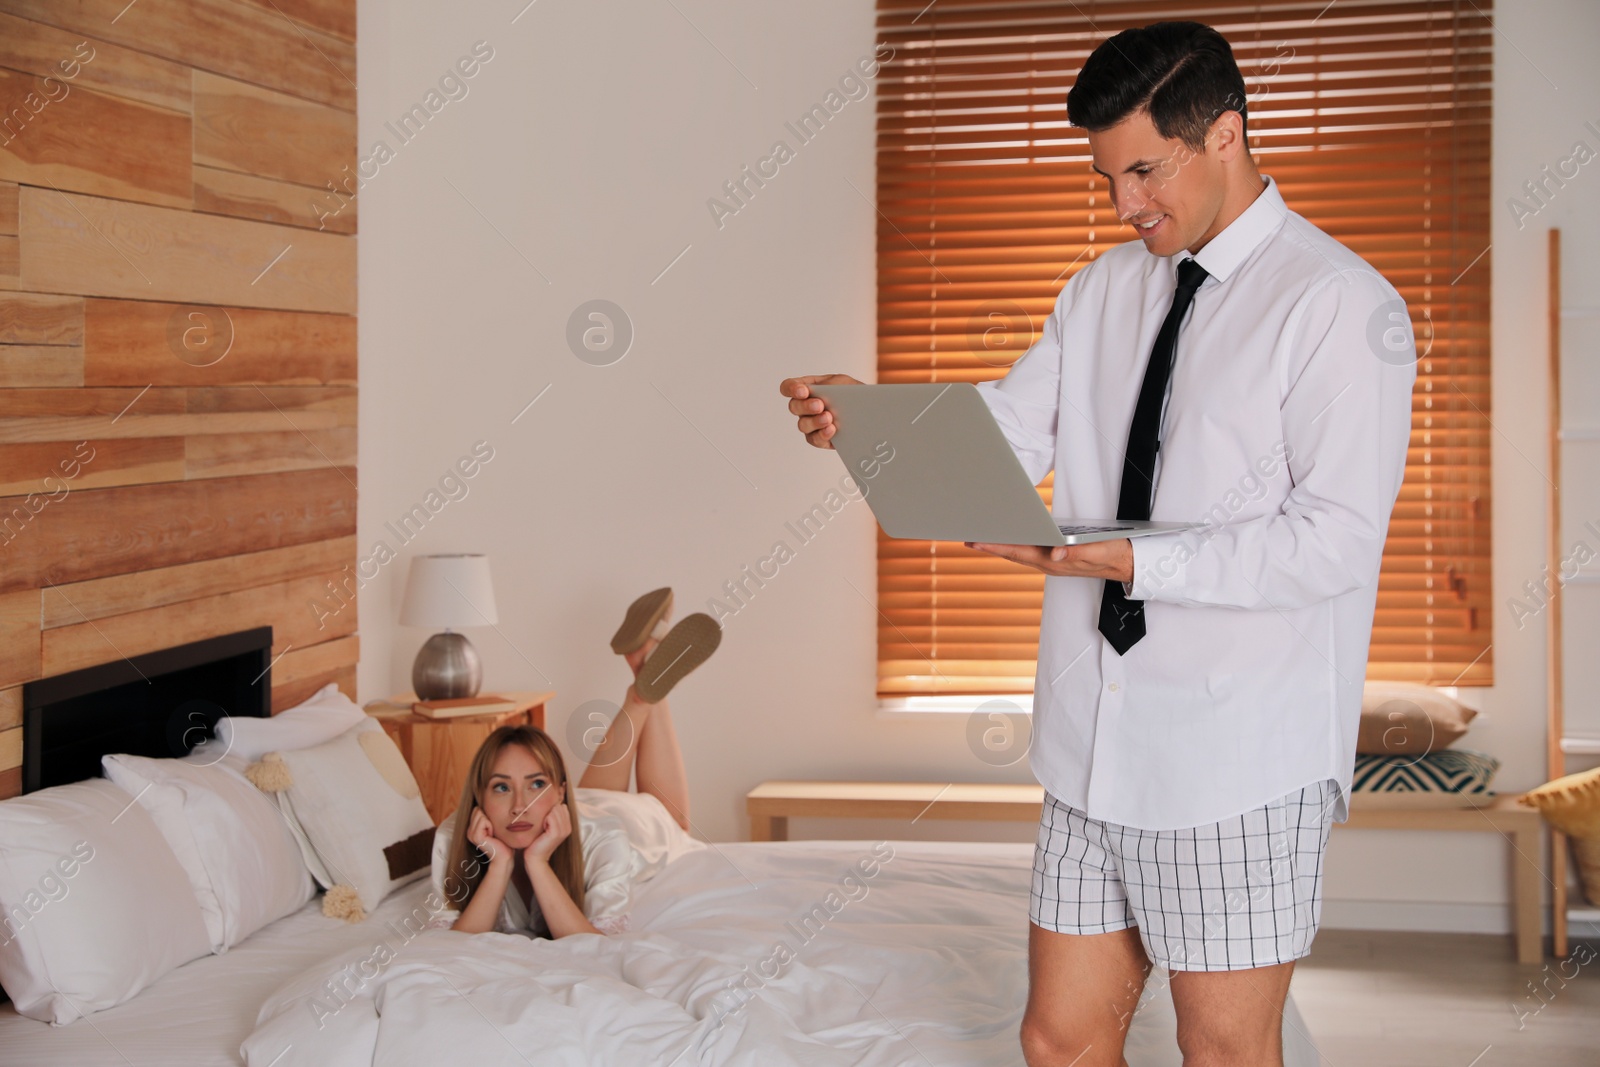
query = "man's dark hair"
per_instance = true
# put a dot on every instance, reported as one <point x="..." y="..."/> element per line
<point x="1182" y="73"/>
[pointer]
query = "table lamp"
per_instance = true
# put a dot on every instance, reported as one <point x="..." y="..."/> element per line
<point x="446" y="592"/>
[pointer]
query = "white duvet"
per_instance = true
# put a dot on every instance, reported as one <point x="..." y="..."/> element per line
<point x="805" y="953"/>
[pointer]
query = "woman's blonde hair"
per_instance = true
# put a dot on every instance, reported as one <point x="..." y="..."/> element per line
<point x="466" y="863"/>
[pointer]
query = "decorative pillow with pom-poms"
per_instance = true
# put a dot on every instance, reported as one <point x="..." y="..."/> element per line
<point x="343" y="902"/>
<point x="357" y="814"/>
<point x="1572" y="805"/>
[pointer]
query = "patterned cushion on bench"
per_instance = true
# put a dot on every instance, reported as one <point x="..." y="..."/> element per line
<point x="1451" y="770"/>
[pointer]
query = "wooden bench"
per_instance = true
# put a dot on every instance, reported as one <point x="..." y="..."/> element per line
<point x="771" y="805"/>
<point x="1518" y="824"/>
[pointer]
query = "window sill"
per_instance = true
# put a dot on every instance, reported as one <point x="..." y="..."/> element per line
<point x="942" y="707"/>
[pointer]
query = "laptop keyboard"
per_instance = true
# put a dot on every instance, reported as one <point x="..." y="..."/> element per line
<point x="1071" y="530"/>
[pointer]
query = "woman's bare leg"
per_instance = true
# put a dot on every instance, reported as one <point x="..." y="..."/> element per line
<point x="661" y="772"/>
<point x="642" y="734"/>
<point x="611" y="766"/>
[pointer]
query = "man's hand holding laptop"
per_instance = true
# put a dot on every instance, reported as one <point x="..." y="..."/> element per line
<point x="1112" y="559"/>
<point x="1097" y="559"/>
<point x="816" y="421"/>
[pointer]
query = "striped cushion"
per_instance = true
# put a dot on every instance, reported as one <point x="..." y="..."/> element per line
<point x="1451" y="770"/>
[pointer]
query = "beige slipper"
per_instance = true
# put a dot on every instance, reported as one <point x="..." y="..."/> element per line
<point x="644" y="615"/>
<point x="686" y="646"/>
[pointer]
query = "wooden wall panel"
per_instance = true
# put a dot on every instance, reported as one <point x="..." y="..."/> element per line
<point x="163" y="187"/>
<point x="290" y="608"/>
<point x="34" y="468"/>
<point x="245" y="196"/>
<point x="39" y="319"/>
<point x="166" y="254"/>
<point x="245" y="128"/>
<point x="337" y="17"/>
<point x="109" y="403"/>
<point x="85" y="62"/>
<point x="136" y="342"/>
<point x="73" y="428"/>
<point x="19" y="637"/>
<point x="315" y="660"/>
<point x="120" y="594"/>
<point x="302" y="671"/>
<point x="10" y="223"/>
<point x="41" y="335"/>
<point x="11" y="724"/>
<point x="288" y="694"/>
<point x="97" y="532"/>
<point x="40" y="365"/>
<point x="73" y="414"/>
<point x="313" y="400"/>
<point x="226" y="455"/>
<point x="10" y="762"/>
<point x="91" y="142"/>
<point x="247" y="41"/>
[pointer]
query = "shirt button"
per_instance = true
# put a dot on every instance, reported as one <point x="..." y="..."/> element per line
<point x="1113" y="687"/>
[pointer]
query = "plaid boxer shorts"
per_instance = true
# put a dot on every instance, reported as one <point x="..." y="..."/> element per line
<point x="1242" y="892"/>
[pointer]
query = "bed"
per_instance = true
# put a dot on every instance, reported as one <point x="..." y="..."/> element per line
<point x="854" y="952"/>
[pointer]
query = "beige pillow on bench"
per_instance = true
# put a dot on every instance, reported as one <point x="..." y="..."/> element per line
<point x="1406" y="719"/>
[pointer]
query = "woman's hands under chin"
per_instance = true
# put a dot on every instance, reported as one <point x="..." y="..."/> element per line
<point x="480" y="831"/>
<point x="560" y="913"/>
<point x="557" y="828"/>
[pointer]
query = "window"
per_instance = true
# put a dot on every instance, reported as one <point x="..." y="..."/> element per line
<point x="1374" y="120"/>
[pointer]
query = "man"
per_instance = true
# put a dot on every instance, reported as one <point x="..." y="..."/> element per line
<point x="1198" y="692"/>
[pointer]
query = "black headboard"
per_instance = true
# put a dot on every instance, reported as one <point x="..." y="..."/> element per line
<point x="160" y="704"/>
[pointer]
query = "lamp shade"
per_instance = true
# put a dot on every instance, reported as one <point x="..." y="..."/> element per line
<point x="449" y="592"/>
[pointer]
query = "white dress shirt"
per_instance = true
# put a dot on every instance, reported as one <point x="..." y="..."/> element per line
<point x="1285" y="430"/>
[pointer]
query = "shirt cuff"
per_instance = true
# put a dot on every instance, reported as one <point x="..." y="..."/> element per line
<point x="1157" y="572"/>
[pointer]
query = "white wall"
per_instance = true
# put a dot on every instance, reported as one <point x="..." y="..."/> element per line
<point x="577" y="167"/>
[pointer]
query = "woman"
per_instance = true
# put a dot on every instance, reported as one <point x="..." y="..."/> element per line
<point x="515" y="856"/>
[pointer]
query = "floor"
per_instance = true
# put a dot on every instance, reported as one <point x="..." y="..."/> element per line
<point x="1387" y="999"/>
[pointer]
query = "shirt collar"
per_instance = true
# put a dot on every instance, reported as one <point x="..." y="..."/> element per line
<point x="1223" y="253"/>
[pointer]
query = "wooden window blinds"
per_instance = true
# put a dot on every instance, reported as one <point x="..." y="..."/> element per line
<point x="1374" y="120"/>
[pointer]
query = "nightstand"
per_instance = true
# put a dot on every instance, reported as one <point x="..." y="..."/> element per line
<point x="439" y="751"/>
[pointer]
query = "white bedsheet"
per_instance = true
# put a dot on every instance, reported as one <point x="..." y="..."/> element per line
<point x="921" y="962"/>
<point x="928" y="966"/>
<point x="197" y="1015"/>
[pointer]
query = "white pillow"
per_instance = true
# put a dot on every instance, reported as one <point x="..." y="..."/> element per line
<point x="232" y="842"/>
<point x="326" y="715"/>
<point x="349" y="800"/>
<point x="95" y="905"/>
<point x="652" y="831"/>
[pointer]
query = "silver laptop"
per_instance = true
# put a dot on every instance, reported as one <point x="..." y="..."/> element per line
<point x="933" y="465"/>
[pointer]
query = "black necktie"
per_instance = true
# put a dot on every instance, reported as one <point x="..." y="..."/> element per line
<point x="1121" y="619"/>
